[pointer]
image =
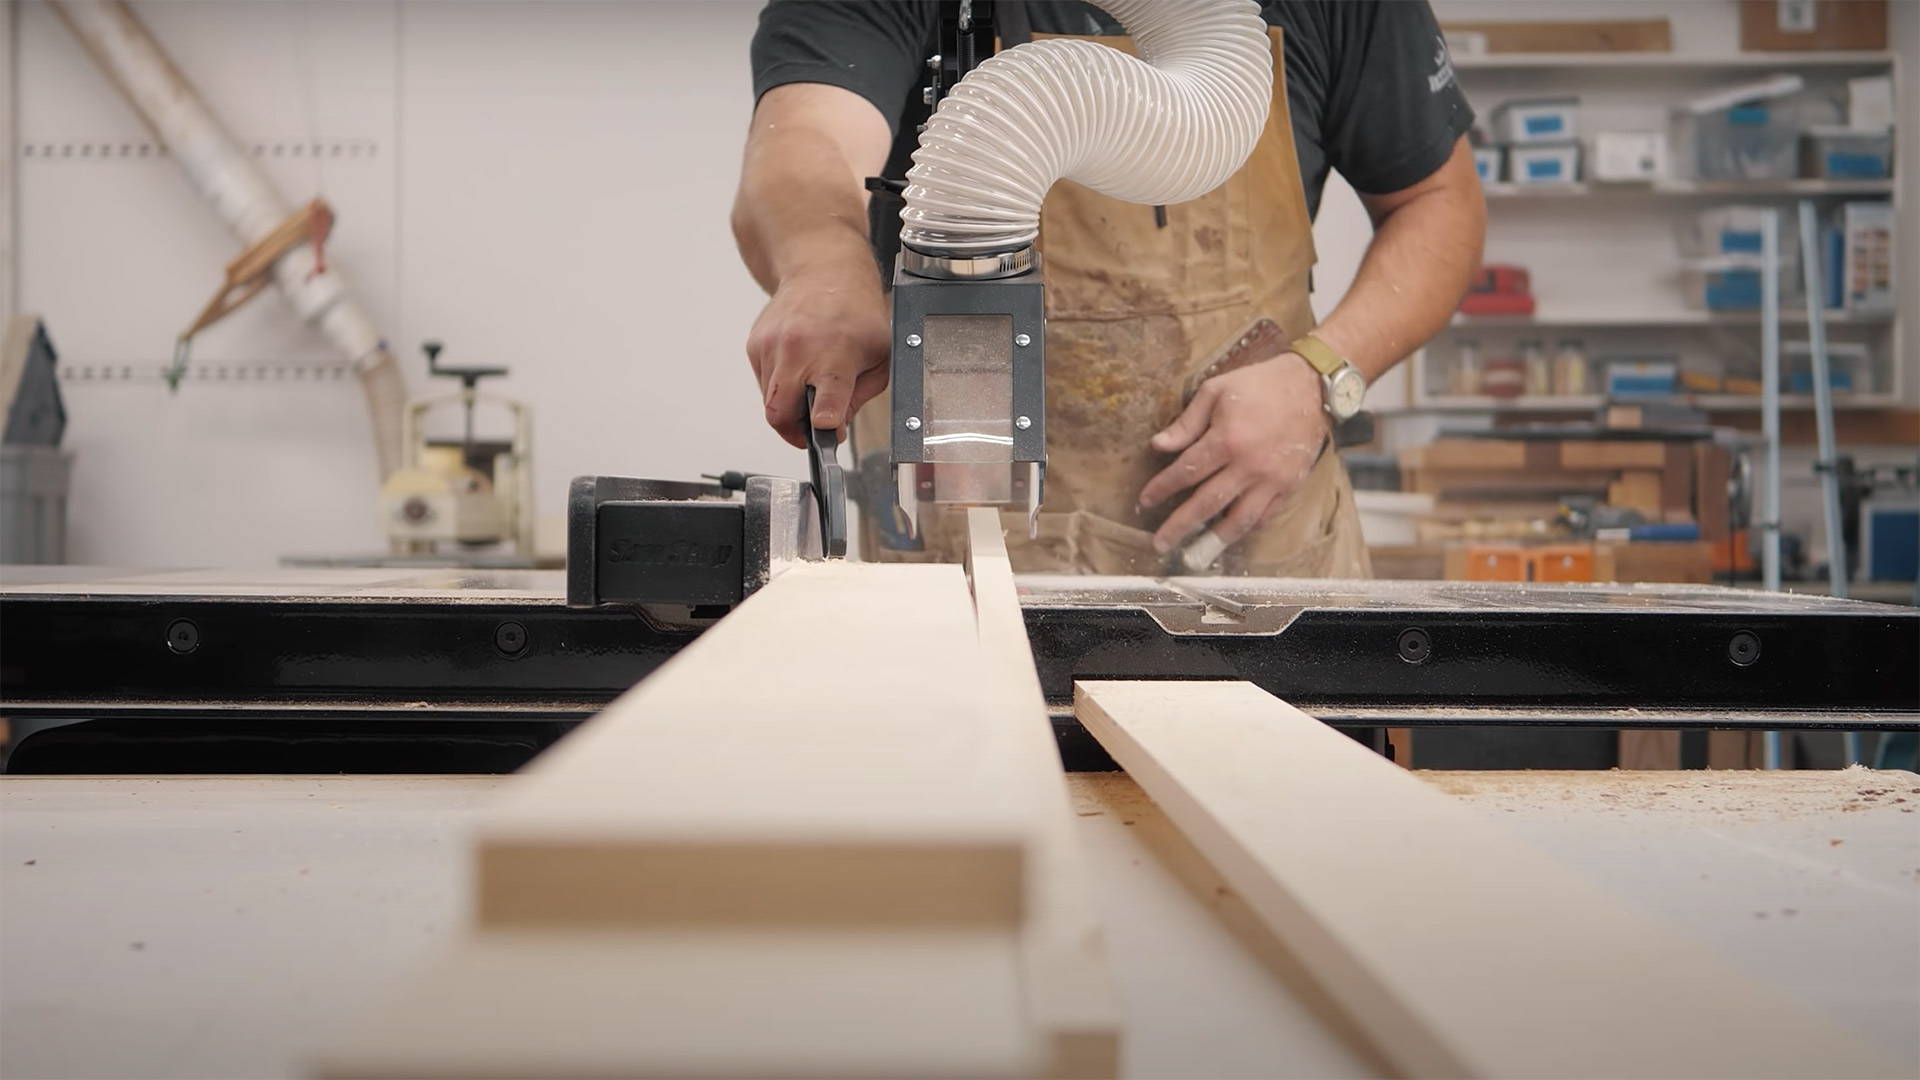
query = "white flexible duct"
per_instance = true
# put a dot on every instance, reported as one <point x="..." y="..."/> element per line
<point x="1166" y="127"/>
<point x="242" y="196"/>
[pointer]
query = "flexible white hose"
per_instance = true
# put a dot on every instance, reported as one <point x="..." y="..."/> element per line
<point x="1165" y="127"/>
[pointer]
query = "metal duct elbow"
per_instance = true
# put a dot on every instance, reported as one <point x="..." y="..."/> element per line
<point x="1165" y="127"/>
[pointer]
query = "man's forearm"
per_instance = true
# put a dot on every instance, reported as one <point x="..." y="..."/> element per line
<point x="1422" y="258"/>
<point x="799" y="203"/>
<point x="801" y="222"/>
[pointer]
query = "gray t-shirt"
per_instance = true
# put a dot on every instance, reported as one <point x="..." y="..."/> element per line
<point x="1369" y="84"/>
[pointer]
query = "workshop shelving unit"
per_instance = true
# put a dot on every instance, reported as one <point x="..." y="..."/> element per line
<point x="1604" y="259"/>
<point x="1712" y="189"/>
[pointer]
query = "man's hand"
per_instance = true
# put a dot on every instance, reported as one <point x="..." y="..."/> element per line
<point x="801" y="222"/>
<point x="1247" y="440"/>
<point x="827" y="328"/>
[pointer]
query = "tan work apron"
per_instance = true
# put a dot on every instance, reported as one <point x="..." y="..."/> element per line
<point x="1135" y="309"/>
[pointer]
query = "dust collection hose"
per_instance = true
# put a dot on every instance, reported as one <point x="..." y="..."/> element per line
<point x="1166" y="127"/>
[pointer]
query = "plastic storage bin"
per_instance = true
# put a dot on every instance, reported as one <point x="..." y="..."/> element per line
<point x="1755" y="141"/>
<point x="1738" y="230"/>
<point x="1727" y="230"/>
<point x="1730" y="283"/>
<point x="1890" y="539"/>
<point x="33" y="504"/>
<point x="1640" y="376"/>
<point x="1545" y="164"/>
<point x="1849" y="367"/>
<point x="1536" y="120"/>
<point x="1627" y="156"/>
<point x="1486" y="162"/>
<point x="1838" y="153"/>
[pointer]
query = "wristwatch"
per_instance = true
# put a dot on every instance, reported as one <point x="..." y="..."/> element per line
<point x="1345" y="388"/>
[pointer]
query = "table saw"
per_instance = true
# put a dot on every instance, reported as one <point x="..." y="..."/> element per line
<point x="286" y="647"/>
<point x="822" y="831"/>
<point x="654" y="563"/>
<point x="182" y="654"/>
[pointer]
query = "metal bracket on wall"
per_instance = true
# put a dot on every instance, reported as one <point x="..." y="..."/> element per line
<point x="103" y="148"/>
<point x="235" y="372"/>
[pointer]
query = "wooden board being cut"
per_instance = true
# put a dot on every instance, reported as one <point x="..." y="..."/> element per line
<point x="1069" y="984"/>
<point x="743" y="868"/>
<point x="1460" y="950"/>
<point x="760" y="776"/>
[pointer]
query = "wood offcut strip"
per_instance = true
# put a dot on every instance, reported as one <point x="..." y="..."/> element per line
<point x="1069" y="982"/>
<point x="1458" y="949"/>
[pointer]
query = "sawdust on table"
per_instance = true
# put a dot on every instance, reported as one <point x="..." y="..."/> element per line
<point x="1754" y="795"/>
<point x="1726" y="794"/>
<point x="1097" y="793"/>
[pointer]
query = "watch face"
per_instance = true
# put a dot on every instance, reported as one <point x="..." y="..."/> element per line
<point x="1345" y="393"/>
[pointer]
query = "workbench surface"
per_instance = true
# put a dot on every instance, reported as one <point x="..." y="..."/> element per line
<point x="226" y="926"/>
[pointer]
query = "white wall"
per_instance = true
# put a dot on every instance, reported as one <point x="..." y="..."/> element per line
<point x="541" y="185"/>
<point x="1904" y="36"/>
<point x="6" y="162"/>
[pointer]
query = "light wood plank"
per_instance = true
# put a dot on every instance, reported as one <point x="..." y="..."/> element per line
<point x="1460" y="950"/>
<point x="1613" y="454"/>
<point x="1637" y="489"/>
<point x="1657" y="560"/>
<point x="768" y="770"/>
<point x="708" y="1002"/>
<point x="1457" y="485"/>
<point x="1068" y="978"/>
<point x="1610" y="35"/>
<point x="1870" y="427"/>
<point x="1467" y="454"/>
<point x="744" y="868"/>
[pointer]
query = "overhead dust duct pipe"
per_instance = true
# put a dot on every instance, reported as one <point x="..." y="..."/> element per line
<point x="244" y="198"/>
<point x="1167" y="126"/>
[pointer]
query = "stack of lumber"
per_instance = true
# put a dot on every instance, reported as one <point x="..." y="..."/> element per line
<point x="1653" y="477"/>
<point x="1512" y="491"/>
